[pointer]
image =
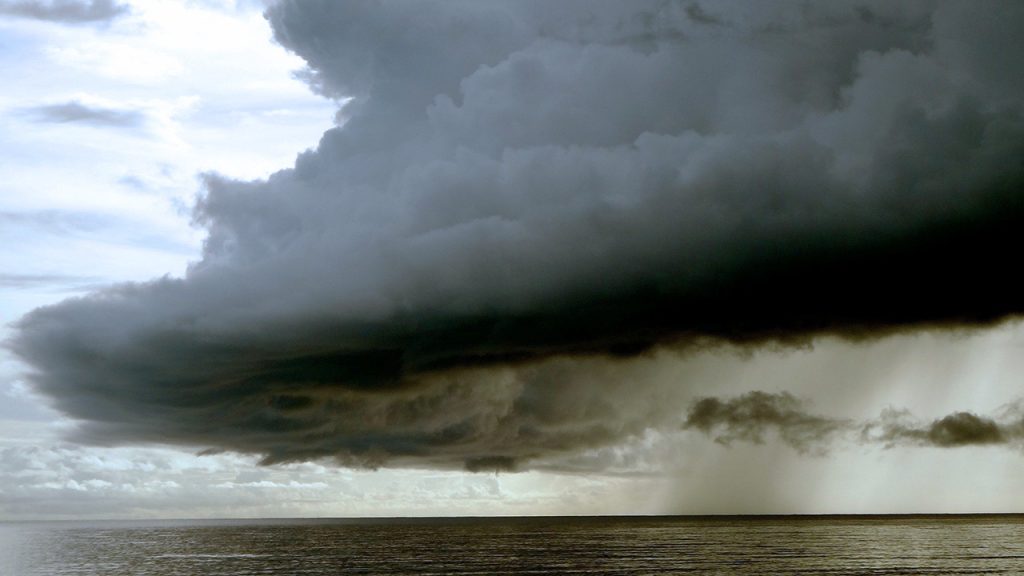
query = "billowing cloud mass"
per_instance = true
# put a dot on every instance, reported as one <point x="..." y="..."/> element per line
<point x="65" y="11"/>
<point x="518" y="193"/>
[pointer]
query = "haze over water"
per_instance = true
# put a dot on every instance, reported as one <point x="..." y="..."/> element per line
<point x="583" y="545"/>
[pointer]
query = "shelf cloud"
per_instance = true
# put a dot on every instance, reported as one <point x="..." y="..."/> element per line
<point x="521" y="195"/>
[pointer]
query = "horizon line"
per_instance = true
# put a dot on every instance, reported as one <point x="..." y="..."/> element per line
<point x="724" y="517"/>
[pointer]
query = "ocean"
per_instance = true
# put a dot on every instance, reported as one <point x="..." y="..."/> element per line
<point x="835" y="545"/>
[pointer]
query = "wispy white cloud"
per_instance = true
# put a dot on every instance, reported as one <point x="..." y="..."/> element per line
<point x="65" y="11"/>
<point x="75" y="111"/>
<point x="104" y="127"/>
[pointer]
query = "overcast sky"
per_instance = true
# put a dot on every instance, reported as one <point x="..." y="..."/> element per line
<point x="320" y="258"/>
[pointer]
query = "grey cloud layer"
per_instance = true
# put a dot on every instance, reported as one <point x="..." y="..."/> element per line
<point x="755" y="416"/>
<point x="65" y="11"/>
<point x="518" y="183"/>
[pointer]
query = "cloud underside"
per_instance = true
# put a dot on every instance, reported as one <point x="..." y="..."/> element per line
<point x="523" y="193"/>
<point x="64" y="11"/>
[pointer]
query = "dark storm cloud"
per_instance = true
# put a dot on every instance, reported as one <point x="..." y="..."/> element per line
<point x="754" y="415"/>
<point x="522" y="192"/>
<point x="64" y="11"/>
<point x="77" y="112"/>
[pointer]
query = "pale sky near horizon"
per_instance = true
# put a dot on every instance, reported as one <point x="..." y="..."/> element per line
<point x="110" y="116"/>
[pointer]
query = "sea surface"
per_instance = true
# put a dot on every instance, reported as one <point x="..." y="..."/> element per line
<point x="876" y="545"/>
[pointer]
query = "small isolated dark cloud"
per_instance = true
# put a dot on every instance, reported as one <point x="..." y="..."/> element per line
<point x="752" y="416"/>
<point x="65" y="11"/>
<point x="697" y="13"/>
<point x="77" y="112"/>
<point x="522" y="185"/>
<point x="491" y="464"/>
<point x="897" y="427"/>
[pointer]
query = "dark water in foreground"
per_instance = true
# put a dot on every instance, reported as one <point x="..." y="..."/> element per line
<point x="763" y="546"/>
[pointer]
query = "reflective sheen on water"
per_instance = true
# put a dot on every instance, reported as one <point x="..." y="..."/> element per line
<point x="762" y="546"/>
